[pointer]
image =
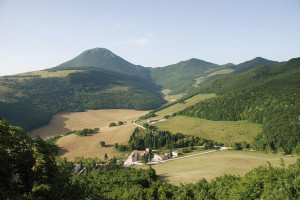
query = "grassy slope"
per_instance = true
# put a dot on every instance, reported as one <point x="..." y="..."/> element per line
<point x="65" y="122"/>
<point x="179" y="106"/>
<point x="72" y="146"/>
<point x="220" y="131"/>
<point x="190" y="170"/>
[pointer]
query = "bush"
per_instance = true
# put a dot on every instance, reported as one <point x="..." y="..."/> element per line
<point x="167" y="116"/>
<point x="120" y="123"/>
<point x="112" y="124"/>
<point x="102" y="143"/>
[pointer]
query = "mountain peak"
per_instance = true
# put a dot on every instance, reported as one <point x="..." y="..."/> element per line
<point x="99" y="52"/>
<point x="105" y="59"/>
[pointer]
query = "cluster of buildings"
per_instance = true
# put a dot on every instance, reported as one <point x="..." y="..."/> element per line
<point x="135" y="157"/>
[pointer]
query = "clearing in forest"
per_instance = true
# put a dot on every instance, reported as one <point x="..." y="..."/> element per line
<point x="226" y="132"/>
<point x="211" y="165"/>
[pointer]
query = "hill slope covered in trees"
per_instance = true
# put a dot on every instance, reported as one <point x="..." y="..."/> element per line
<point x="265" y="95"/>
<point x="30" y="102"/>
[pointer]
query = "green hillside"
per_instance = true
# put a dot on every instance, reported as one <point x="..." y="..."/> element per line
<point x="105" y="59"/>
<point x="258" y="61"/>
<point x="185" y="76"/>
<point x="265" y="95"/>
<point x="30" y="102"/>
<point x="180" y="77"/>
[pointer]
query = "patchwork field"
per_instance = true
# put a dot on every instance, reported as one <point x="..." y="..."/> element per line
<point x="220" y="131"/>
<point x="190" y="170"/>
<point x="65" y="122"/>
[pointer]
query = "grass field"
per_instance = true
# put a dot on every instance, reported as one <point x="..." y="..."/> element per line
<point x="220" y="131"/>
<point x="190" y="170"/>
<point x="46" y="74"/>
<point x="64" y="122"/>
<point x="179" y="106"/>
<point x="222" y="71"/>
<point x="72" y="146"/>
<point x="170" y="98"/>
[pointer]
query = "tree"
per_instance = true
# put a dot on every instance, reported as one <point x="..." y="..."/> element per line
<point x="120" y="123"/>
<point x="28" y="168"/>
<point x="244" y="145"/>
<point x="112" y="124"/>
<point x="96" y="130"/>
<point x="105" y="157"/>
<point x="116" y="145"/>
<point x="237" y="146"/>
<point x="102" y="143"/>
<point x="167" y="117"/>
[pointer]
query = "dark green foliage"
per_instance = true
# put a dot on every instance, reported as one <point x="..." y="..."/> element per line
<point x="102" y="143"/>
<point x="86" y="131"/>
<point x="28" y="168"/>
<point x="89" y="89"/>
<point x="269" y="96"/>
<point x="120" y="123"/>
<point x="141" y="139"/>
<point x="167" y="117"/>
<point x="112" y="124"/>
<point x="180" y="77"/>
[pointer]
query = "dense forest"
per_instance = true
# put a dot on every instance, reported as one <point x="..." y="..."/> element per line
<point x="29" y="170"/>
<point x="40" y="98"/>
<point x="269" y="96"/>
<point x="154" y="139"/>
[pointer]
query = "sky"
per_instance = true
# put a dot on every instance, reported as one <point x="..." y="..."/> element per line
<point x="36" y="35"/>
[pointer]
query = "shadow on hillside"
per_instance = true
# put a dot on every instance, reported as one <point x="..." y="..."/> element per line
<point x="164" y="177"/>
<point x="62" y="151"/>
<point x="109" y="145"/>
<point x="56" y="126"/>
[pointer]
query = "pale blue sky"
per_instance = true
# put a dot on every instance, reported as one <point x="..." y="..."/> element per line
<point x="39" y="34"/>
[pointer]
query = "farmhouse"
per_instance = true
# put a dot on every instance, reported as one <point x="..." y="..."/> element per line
<point x="135" y="156"/>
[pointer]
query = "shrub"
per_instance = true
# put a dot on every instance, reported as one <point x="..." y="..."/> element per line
<point x="102" y="143"/>
<point x="112" y="124"/>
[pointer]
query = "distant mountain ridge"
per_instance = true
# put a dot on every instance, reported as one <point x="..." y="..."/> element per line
<point x="179" y="77"/>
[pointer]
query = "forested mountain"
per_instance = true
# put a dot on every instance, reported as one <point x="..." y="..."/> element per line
<point x="30" y="102"/>
<point x="258" y="61"/>
<point x="266" y="95"/>
<point x="181" y="77"/>
<point x="105" y="59"/>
